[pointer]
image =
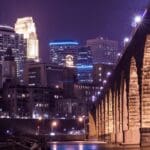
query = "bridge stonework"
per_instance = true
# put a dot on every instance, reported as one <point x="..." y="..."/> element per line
<point x="123" y="110"/>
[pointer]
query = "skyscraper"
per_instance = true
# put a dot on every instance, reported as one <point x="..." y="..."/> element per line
<point x="84" y="65"/>
<point x="9" y="39"/>
<point x="64" y="53"/>
<point x="8" y="67"/>
<point x="26" y="26"/>
<point x="104" y="51"/>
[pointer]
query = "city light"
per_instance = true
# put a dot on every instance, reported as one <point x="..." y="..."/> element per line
<point x="98" y="92"/>
<point x="85" y="67"/>
<point x="138" y="19"/>
<point x="40" y="118"/>
<point x="54" y="123"/>
<point x="104" y="81"/>
<point x="52" y="134"/>
<point x="101" y="88"/>
<point x="93" y="98"/>
<point x="119" y="54"/>
<point x="126" y="40"/>
<point x="80" y="119"/>
<point x="108" y="74"/>
<point x="63" y="43"/>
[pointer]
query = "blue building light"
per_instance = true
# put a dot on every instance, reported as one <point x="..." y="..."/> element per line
<point x="63" y="43"/>
<point x="85" y="67"/>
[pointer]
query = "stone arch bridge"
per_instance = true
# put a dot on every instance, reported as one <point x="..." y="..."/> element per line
<point x="122" y="113"/>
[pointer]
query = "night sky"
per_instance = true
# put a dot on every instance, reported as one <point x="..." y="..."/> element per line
<point x="74" y="19"/>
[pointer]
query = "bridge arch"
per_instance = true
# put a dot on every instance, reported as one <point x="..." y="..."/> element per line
<point x="132" y="136"/>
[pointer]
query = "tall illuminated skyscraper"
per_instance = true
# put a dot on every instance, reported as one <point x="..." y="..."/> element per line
<point x="10" y="39"/>
<point x="26" y="26"/>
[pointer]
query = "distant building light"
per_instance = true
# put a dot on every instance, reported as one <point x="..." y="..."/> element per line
<point x="100" y="80"/>
<point x="100" y="74"/>
<point x="57" y="86"/>
<point x="93" y="98"/>
<point x="40" y="118"/>
<point x="101" y="88"/>
<point x="98" y="92"/>
<point x="63" y="43"/>
<point x="23" y="95"/>
<point x="100" y="68"/>
<point x="52" y="134"/>
<point x="108" y="74"/>
<point x="104" y="81"/>
<point x="85" y="67"/>
<point x="118" y="54"/>
<point x="9" y="95"/>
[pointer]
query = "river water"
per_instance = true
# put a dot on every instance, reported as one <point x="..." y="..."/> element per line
<point x="83" y="146"/>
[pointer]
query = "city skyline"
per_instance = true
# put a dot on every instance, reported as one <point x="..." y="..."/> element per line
<point x="72" y="20"/>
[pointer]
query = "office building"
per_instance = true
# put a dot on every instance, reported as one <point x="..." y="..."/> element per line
<point x="104" y="51"/>
<point x="24" y="102"/>
<point x="9" y="67"/>
<point x="84" y="65"/>
<point x="27" y="27"/>
<point x="47" y="75"/>
<point x="63" y="53"/>
<point x="10" y="39"/>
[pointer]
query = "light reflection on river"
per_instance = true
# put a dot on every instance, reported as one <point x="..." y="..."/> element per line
<point x="81" y="146"/>
<point x="75" y="147"/>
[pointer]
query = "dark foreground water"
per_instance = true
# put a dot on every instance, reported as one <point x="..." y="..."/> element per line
<point x="83" y="146"/>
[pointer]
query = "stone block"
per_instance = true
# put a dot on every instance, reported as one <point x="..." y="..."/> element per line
<point x="132" y="136"/>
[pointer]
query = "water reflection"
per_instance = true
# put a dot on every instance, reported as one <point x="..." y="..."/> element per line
<point x="81" y="146"/>
<point x="54" y="146"/>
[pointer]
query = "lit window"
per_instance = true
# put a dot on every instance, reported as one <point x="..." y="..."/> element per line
<point x="99" y="68"/>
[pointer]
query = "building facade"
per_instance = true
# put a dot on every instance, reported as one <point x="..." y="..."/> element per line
<point x="10" y="39"/>
<point x="26" y="102"/>
<point x="104" y="51"/>
<point x="27" y="27"/>
<point x="48" y="75"/>
<point x="84" y="65"/>
<point x="63" y="53"/>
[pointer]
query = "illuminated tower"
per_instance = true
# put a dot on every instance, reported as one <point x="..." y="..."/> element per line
<point x="63" y="53"/>
<point x="26" y="26"/>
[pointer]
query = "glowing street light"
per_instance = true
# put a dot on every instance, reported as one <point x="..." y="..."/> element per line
<point x="138" y="19"/>
<point x="108" y="74"/>
<point x="54" y="124"/>
<point x="126" y="40"/>
<point x="40" y="118"/>
<point x="80" y="119"/>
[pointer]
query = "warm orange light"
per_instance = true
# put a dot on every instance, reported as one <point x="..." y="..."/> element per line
<point x="54" y="123"/>
<point x="80" y="119"/>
